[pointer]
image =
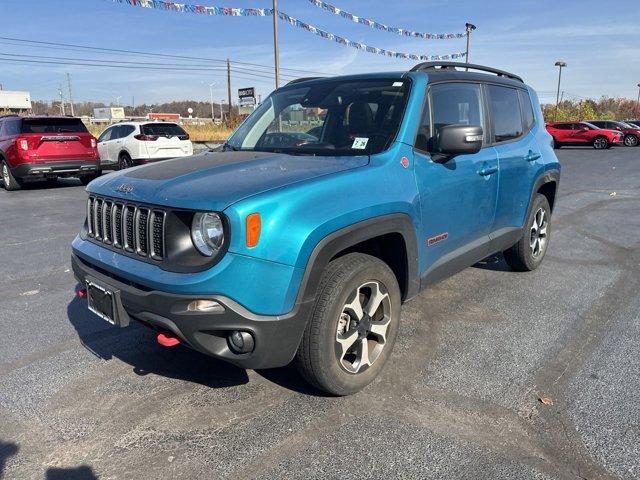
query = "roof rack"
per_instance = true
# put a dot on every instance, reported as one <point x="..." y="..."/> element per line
<point x="453" y="65"/>
<point x="303" y="79"/>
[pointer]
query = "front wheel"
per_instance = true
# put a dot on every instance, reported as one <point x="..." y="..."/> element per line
<point x="528" y="253"/>
<point x="556" y="144"/>
<point x="630" y="141"/>
<point x="353" y="327"/>
<point x="600" y="143"/>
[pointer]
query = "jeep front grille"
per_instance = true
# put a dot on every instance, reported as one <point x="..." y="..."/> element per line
<point x="133" y="228"/>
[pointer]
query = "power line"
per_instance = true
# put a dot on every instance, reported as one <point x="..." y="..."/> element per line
<point x="153" y="54"/>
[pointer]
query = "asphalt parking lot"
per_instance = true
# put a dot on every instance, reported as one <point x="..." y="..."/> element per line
<point x="460" y="398"/>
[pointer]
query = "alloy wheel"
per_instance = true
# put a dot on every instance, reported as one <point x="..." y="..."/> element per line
<point x="362" y="329"/>
<point x="600" y="143"/>
<point x="631" y="141"/>
<point x="5" y="174"/>
<point x="538" y="235"/>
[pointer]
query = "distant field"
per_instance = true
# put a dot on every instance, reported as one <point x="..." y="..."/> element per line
<point x="197" y="133"/>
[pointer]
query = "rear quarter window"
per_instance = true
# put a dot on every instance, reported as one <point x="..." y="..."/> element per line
<point x="53" y="125"/>
<point x="528" y="118"/>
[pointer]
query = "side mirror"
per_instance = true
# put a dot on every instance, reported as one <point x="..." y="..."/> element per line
<point x="452" y="140"/>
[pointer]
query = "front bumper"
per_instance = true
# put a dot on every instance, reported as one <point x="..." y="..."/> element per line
<point x="57" y="167"/>
<point x="276" y="337"/>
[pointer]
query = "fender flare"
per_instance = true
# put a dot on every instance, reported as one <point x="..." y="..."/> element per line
<point x="356" y="233"/>
<point x="547" y="177"/>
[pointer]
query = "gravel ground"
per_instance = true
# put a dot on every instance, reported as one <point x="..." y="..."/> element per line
<point x="460" y="397"/>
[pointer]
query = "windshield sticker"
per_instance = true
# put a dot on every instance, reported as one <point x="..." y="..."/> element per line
<point x="397" y="84"/>
<point x="360" y="143"/>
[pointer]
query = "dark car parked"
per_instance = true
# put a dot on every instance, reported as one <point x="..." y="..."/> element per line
<point x="631" y="132"/>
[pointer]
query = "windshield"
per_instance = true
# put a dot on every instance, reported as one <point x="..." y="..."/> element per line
<point x="331" y="117"/>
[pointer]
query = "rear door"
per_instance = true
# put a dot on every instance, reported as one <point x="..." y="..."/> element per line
<point x="457" y="197"/>
<point x="57" y="139"/>
<point x="170" y="140"/>
<point x="513" y="119"/>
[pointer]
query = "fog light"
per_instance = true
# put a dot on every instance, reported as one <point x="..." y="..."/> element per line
<point x="210" y="306"/>
<point x="241" y="342"/>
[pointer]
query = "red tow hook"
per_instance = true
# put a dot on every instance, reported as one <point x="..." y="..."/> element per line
<point x="82" y="293"/>
<point x="168" y="339"/>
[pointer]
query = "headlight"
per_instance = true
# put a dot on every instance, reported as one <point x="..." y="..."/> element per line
<point x="207" y="233"/>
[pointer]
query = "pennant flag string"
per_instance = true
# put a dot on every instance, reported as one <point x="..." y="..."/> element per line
<point x="265" y="12"/>
<point x="381" y="26"/>
<point x="366" y="48"/>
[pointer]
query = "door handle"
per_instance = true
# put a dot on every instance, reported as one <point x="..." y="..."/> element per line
<point x="532" y="156"/>
<point x="484" y="171"/>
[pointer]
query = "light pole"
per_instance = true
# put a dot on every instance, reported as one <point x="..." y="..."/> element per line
<point x="221" y="112"/>
<point x="560" y="64"/>
<point x="470" y="27"/>
<point x="638" y="102"/>
<point x="211" y="92"/>
<point x="276" y="48"/>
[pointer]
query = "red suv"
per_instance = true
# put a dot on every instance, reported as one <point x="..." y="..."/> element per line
<point x="45" y="148"/>
<point x="631" y="133"/>
<point x="582" y="133"/>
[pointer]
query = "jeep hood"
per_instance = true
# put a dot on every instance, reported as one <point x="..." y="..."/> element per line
<point x="215" y="180"/>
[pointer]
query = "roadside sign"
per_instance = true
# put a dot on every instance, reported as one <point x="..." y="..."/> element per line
<point x="249" y="92"/>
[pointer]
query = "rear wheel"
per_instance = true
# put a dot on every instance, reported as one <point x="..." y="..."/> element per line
<point x="86" y="179"/>
<point x="600" y="143"/>
<point x="10" y="182"/>
<point x="124" y="161"/>
<point x="529" y="252"/>
<point x="630" y="141"/>
<point x="556" y="144"/>
<point x="353" y="327"/>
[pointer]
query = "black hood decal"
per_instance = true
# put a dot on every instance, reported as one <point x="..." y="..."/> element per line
<point x="177" y="167"/>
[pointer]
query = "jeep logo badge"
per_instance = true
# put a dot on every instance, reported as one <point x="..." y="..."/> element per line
<point x="125" y="188"/>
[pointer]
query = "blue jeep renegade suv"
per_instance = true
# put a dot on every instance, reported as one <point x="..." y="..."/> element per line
<point x="336" y="201"/>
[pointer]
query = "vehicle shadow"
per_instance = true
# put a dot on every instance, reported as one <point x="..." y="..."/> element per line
<point x="7" y="449"/>
<point x="136" y="345"/>
<point x="495" y="262"/>
<point x="83" y="472"/>
<point x="60" y="183"/>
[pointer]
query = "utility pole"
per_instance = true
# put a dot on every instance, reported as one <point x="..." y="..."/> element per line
<point x="229" y="86"/>
<point x="637" y="103"/>
<point x="469" y="27"/>
<point x="276" y="47"/>
<point x="61" y="100"/>
<point x="560" y="64"/>
<point x="70" y="95"/>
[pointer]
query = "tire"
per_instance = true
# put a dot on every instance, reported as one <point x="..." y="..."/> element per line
<point x="600" y="143"/>
<point x="124" y="161"/>
<point x="556" y="144"/>
<point x="348" y="281"/>
<point x="630" y="141"/>
<point x="86" y="179"/>
<point x="10" y="182"/>
<point x="524" y="256"/>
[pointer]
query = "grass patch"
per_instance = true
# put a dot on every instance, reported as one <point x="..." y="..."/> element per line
<point x="197" y="133"/>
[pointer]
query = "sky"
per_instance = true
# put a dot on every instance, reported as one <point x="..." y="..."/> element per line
<point x="600" y="42"/>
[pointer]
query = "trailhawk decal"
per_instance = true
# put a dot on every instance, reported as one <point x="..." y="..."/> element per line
<point x="438" y="238"/>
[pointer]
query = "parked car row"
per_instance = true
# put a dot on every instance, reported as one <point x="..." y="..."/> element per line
<point x="601" y="134"/>
<point x="46" y="148"/>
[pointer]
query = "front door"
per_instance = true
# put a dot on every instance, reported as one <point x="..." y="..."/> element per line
<point x="457" y="196"/>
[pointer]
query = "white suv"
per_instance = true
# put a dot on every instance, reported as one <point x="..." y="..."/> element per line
<point x="132" y="143"/>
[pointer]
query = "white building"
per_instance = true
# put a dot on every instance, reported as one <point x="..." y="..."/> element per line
<point x="15" y="101"/>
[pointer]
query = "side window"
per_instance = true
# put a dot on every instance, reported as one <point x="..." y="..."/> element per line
<point x="10" y="127"/>
<point x="106" y="135"/>
<point x="528" y="117"/>
<point x="450" y="104"/>
<point x="126" y="130"/>
<point x="505" y="113"/>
